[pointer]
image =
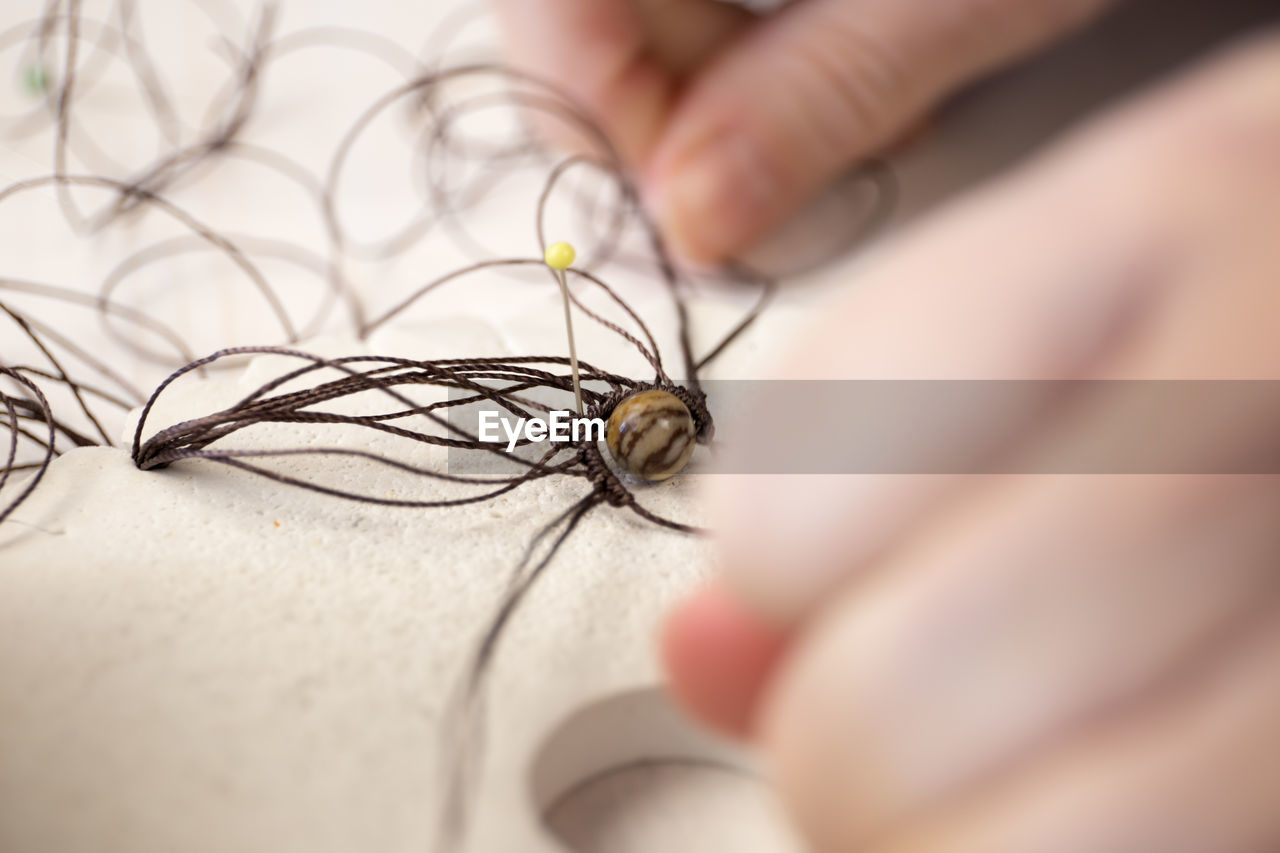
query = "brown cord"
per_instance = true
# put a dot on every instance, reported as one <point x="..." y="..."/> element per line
<point x="75" y="396"/>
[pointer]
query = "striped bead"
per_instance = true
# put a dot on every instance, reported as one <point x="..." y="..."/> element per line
<point x="651" y="435"/>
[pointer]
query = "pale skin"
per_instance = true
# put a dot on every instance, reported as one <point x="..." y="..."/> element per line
<point x="1001" y="663"/>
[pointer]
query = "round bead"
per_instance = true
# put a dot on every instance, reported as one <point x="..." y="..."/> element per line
<point x="560" y="256"/>
<point x="652" y="435"/>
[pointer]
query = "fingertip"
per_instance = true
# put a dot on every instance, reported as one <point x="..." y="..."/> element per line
<point x="719" y="658"/>
<point x="714" y="196"/>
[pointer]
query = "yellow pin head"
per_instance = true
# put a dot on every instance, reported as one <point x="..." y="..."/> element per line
<point x="560" y="256"/>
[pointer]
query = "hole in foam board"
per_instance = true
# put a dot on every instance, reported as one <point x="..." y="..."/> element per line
<point x="630" y="774"/>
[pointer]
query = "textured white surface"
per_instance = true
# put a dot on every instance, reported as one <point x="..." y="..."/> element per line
<point x="203" y="660"/>
<point x="196" y="660"/>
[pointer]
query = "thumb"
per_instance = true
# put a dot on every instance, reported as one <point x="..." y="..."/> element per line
<point x="622" y="59"/>
<point x="813" y="89"/>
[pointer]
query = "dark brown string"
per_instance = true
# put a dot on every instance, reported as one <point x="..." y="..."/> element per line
<point x="455" y="170"/>
<point x="12" y="407"/>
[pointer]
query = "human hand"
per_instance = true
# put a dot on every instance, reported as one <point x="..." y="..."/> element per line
<point x="735" y="121"/>
<point x="1040" y="662"/>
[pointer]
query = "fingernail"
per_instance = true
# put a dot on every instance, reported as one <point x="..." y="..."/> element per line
<point x="716" y="198"/>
